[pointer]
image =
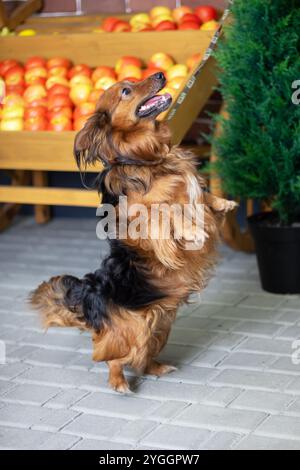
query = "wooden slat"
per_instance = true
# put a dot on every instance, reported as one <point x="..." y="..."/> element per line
<point x="3" y="17"/>
<point x="48" y="151"/>
<point x="106" y="48"/>
<point x="51" y="196"/>
<point x="41" y="212"/>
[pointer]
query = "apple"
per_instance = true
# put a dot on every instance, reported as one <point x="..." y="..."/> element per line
<point x="2" y="90"/>
<point x="168" y="90"/>
<point x="206" y="13"/>
<point x="15" y="124"/>
<point x="95" y="95"/>
<point x="5" y="65"/>
<point x="58" y="89"/>
<point x="150" y="71"/>
<point x="58" y="62"/>
<point x="56" y="80"/>
<point x="13" y="111"/>
<point x="58" y="72"/>
<point x="176" y="83"/>
<point x="188" y="25"/>
<point x="80" y="93"/>
<point x="190" y="17"/>
<point x="166" y="26"/>
<point x="13" y="99"/>
<point x="130" y="71"/>
<point x="127" y="60"/>
<point x="146" y="29"/>
<point x="141" y="27"/>
<point x="33" y="62"/>
<point x="36" y="81"/>
<point x="161" y="18"/>
<point x="104" y="83"/>
<point x="59" y="101"/>
<point x="210" y="26"/>
<point x="121" y="27"/>
<point x="33" y="73"/>
<point x="36" y="123"/>
<point x="59" y="124"/>
<point x="34" y="92"/>
<point x="177" y="70"/>
<point x="161" y="60"/>
<point x="84" y="109"/>
<point x="179" y="12"/>
<point x="139" y="19"/>
<point x="109" y="23"/>
<point x="159" y="11"/>
<point x="35" y="111"/>
<point x="19" y="89"/>
<point x="80" y="80"/>
<point x="60" y="111"/>
<point x="80" y="122"/>
<point x="193" y="61"/>
<point x="14" y="76"/>
<point x="103" y="71"/>
<point x="81" y="69"/>
<point x="39" y="102"/>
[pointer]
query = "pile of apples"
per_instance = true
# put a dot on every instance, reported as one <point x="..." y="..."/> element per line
<point x="56" y="95"/>
<point x="161" y="18"/>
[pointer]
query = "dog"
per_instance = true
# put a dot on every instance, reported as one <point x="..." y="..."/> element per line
<point x="130" y="302"/>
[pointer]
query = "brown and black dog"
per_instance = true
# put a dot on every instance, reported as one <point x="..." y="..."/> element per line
<point x="130" y="302"/>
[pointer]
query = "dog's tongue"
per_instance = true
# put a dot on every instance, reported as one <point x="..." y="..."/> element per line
<point x="155" y="100"/>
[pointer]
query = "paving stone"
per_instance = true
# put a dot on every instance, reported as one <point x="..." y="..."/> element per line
<point x="264" y="443"/>
<point x="222" y="441"/>
<point x="252" y="328"/>
<point x="55" y="420"/>
<point x="11" y="371"/>
<point x="176" y="437"/>
<point x="90" y="444"/>
<point x="222" y="396"/>
<point x="286" y="365"/>
<point x="266" y="345"/>
<point x="30" y="394"/>
<point x="253" y="380"/>
<point x="23" y="416"/>
<point x="262" y="401"/>
<point x="209" y="358"/>
<point x="21" y="439"/>
<point x="165" y="391"/>
<point x="66" y="398"/>
<point x="293" y="303"/>
<point x="218" y="418"/>
<point x="94" y="427"/>
<point x="283" y="427"/>
<point x="263" y="301"/>
<point x="59" y="441"/>
<point x="134" y="431"/>
<point x="167" y="410"/>
<point x="249" y="361"/>
<point x="248" y="313"/>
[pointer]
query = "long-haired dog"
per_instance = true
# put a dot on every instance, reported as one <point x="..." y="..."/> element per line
<point x="130" y="302"/>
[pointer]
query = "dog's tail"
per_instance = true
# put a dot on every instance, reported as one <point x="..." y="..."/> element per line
<point x="68" y="301"/>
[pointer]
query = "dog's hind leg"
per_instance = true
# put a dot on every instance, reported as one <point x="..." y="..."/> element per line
<point x="158" y="369"/>
<point x="116" y="378"/>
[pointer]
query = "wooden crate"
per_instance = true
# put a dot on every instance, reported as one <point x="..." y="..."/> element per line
<point x="40" y="152"/>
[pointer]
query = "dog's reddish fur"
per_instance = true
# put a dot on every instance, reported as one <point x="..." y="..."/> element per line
<point x="157" y="173"/>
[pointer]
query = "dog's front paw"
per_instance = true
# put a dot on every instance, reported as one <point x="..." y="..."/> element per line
<point x="120" y="385"/>
<point x="155" y="368"/>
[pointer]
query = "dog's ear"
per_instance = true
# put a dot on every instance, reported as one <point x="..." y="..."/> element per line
<point x="90" y="142"/>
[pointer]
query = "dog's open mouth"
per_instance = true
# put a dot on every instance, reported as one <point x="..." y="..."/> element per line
<point x="154" y="105"/>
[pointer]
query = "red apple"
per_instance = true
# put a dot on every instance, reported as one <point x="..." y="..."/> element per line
<point x="35" y="111"/>
<point x="127" y="60"/>
<point x="80" y="122"/>
<point x="206" y="13"/>
<point x="36" y="81"/>
<point x="193" y="60"/>
<point x="15" y="124"/>
<point x="5" y="65"/>
<point x="161" y="60"/>
<point x="36" y="72"/>
<point x="84" y="109"/>
<point x="39" y="102"/>
<point x="14" y="76"/>
<point x="58" y="89"/>
<point x="12" y="112"/>
<point x="109" y="23"/>
<point x="103" y="71"/>
<point x="121" y="27"/>
<point x="36" y="123"/>
<point x="80" y="80"/>
<point x="13" y="99"/>
<point x="80" y="69"/>
<point x="104" y="83"/>
<point x="33" y="62"/>
<point x="176" y="83"/>
<point x="59" y="101"/>
<point x="146" y="29"/>
<point x="130" y="71"/>
<point x="180" y="11"/>
<point x="58" y="72"/>
<point x="59" y="111"/>
<point x="59" y="124"/>
<point x="165" y="26"/>
<point x="58" y="62"/>
<point x="19" y="89"/>
<point x="80" y="93"/>
<point x="34" y="92"/>
<point x="188" y="25"/>
<point x="56" y="80"/>
<point x="190" y="17"/>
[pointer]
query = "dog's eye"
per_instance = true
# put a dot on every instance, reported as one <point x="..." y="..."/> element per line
<point x="126" y="91"/>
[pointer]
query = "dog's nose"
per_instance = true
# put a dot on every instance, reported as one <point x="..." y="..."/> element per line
<point x="159" y="76"/>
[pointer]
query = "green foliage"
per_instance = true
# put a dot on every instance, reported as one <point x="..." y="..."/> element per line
<point x="259" y="146"/>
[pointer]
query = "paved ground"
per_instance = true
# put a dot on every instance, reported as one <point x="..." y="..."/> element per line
<point x="236" y="384"/>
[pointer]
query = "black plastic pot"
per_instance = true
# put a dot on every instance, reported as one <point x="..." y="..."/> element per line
<point x="278" y="253"/>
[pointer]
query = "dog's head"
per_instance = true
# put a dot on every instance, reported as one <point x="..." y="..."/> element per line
<point x="123" y="129"/>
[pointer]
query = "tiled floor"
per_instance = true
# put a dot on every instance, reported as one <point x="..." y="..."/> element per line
<point x="237" y="384"/>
